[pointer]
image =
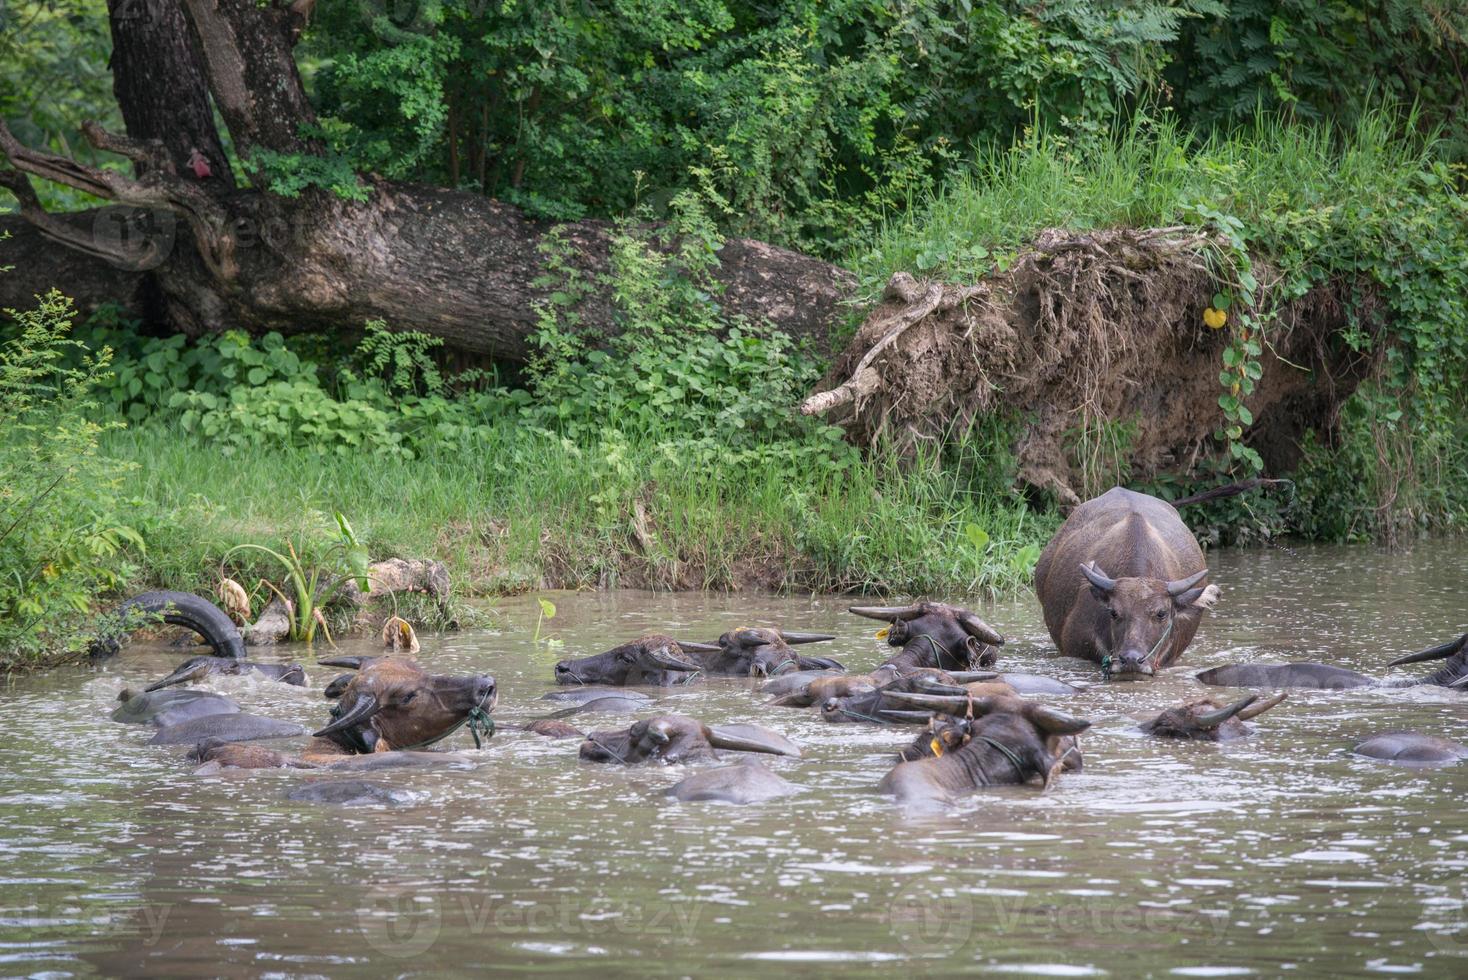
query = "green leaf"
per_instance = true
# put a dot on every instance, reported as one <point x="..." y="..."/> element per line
<point x="1220" y="301"/>
<point x="977" y="536"/>
<point x="547" y="608"/>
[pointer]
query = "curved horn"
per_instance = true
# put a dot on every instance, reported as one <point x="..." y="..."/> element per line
<point x="1053" y="722"/>
<point x="1177" y="587"/>
<point x="751" y="637"/>
<point x="189" y="670"/>
<point x="666" y="661"/>
<point x="363" y="708"/>
<point x="1440" y="652"/>
<point x="1215" y="718"/>
<point x="906" y="717"/>
<point x="752" y="738"/>
<point x="977" y="628"/>
<point x="888" y="614"/>
<point x="947" y="704"/>
<point x="795" y="699"/>
<point x="351" y="663"/>
<point x="1255" y="710"/>
<point x="338" y="686"/>
<point x="1097" y="577"/>
<point x="938" y="687"/>
<point x="699" y="647"/>
<point x="973" y="676"/>
<point x="806" y="637"/>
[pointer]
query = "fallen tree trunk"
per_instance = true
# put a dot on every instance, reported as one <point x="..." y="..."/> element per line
<point x="185" y="249"/>
<point x="1093" y="346"/>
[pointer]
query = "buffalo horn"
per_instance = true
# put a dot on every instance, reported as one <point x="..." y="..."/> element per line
<point x="1053" y="722"/>
<point x="351" y="663"/>
<point x="722" y="739"/>
<point x="976" y="627"/>
<point x="363" y="708"/>
<point x="699" y="647"/>
<point x="1255" y="710"/>
<point x="1097" y="577"/>
<point x="947" y="704"/>
<point x="663" y="659"/>
<point x="806" y="637"/>
<point x="973" y="676"/>
<point x="1215" y="718"/>
<point x="1440" y="652"/>
<point x="906" y="717"/>
<point x="186" y="671"/>
<point x="888" y="614"/>
<point x="1179" y="586"/>
<point x="938" y="687"/>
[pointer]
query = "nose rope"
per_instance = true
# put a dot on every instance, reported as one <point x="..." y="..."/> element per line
<point x="608" y="749"/>
<point x="480" y="722"/>
<point x="1149" y="660"/>
<point x="575" y="676"/>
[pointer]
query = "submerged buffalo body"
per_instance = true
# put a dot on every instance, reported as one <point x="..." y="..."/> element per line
<point x="170" y="707"/>
<point x="743" y="783"/>
<point x="1412" y="748"/>
<point x="1123" y="584"/>
<point x="1453" y="672"/>
<point x="1206" y="720"/>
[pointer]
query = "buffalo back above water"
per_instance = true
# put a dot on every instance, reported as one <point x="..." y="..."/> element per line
<point x="1138" y="602"/>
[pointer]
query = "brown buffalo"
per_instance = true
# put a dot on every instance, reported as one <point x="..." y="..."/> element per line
<point x="1207" y="721"/>
<point x="1010" y="741"/>
<point x="947" y="733"/>
<point x="678" y="738"/>
<point x="759" y="652"/>
<point x="390" y="705"/>
<point x="1144" y="617"/>
<point x="933" y="635"/>
<point x="654" y="660"/>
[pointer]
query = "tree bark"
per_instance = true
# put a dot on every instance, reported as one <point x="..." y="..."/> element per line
<point x="201" y="256"/>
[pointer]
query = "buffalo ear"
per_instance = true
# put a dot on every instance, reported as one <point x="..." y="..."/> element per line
<point x="1198" y="598"/>
<point x="1101" y="585"/>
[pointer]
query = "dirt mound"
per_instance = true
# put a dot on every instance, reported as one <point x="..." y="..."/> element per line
<point x="1095" y="343"/>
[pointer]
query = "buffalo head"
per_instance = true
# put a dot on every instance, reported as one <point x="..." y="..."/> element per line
<point x="678" y="738"/>
<point x="761" y="652"/>
<point x="1205" y="720"/>
<point x="198" y="668"/>
<point x="1453" y="673"/>
<point x="654" y="660"/>
<point x="392" y="704"/>
<point x="936" y="635"/>
<point x="1143" y="617"/>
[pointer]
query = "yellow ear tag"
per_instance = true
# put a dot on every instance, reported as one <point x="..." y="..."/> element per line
<point x="937" y="748"/>
<point x="882" y="633"/>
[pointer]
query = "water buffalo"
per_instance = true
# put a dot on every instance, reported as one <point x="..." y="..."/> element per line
<point x="392" y="707"/>
<point x="1205" y="720"/>
<point x="581" y="695"/>
<point x="1411" y="747"/>
<point x="611" y="704"/>
<point x="179" y="609"/>
<point x="164" y="708"/>
<point x="655" y="660"/>
<point x="1145" y="617"/>
<point x="933" y="635"/>
<point x="910" y="699"/>
<point x="231" y="727"/>
<point x="743" y="783"/>
<point x="198" y="668"/>
<point x="678" y="738"/>
<point x="1454" y="673"/>
<point x="1010" y="741"/>
<point x="946" y="733"/>
<point x="759" y="652"/>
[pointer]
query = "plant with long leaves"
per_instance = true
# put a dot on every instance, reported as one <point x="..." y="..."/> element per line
<point x="314" y="578"/>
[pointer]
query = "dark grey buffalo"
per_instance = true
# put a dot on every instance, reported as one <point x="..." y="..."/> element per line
<point x="743" y="783"/>
<point x="911" y="698"/>
<point x="1453" y="673"/>
<point x="1123" y="583"/>
<point x="1205" y="720"/>
<point x="198" y="668"/>
<point x="933" y="636"/>
<point x="1009" y="742"/>
<point x="654" y="660"/>
<point x="237" y="727"/>
<point x="169" y="707"/>
<point x="678" y="738"/>
<point x="348" y="792"/>
<point x="1412" y="747"/>
<point x="760" y="652"/>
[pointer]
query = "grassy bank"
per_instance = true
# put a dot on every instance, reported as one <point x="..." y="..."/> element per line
<point x="516" y="510"/>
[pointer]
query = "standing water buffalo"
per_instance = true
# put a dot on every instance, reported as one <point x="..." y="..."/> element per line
<point x="933" y="635"/>
<point x="1010" y="741"/>
<point x="1146" y="616"/>
<point x="678" y="738"/>
<point x="1453" y="673"/>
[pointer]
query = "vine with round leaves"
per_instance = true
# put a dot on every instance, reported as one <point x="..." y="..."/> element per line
<point x="1236" y="306"/>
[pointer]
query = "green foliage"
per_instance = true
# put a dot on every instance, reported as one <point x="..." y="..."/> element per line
<point x="317" y="567"/>
<point x="62" y="539"/>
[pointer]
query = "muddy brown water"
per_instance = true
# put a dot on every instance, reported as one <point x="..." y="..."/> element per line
<point x="1282" y="853"/>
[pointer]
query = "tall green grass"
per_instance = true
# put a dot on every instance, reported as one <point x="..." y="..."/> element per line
<point x="522" y="511"/>
<point x="1151" y="174"/>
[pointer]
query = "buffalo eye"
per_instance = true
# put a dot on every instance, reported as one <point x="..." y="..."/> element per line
<point x="408" y="698"/>
<point x="1160" y="615"/>
<point x="1114" y="613"/>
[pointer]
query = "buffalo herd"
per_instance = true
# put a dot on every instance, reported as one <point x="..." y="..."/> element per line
<point x="1122" y="584"/>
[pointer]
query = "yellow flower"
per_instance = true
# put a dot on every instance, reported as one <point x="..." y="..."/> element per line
<point x="1214" y="318"/>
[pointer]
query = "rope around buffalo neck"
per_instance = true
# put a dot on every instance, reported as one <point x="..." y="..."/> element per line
<point x="1007" y="752"/>
<point x="1106" y="660"/>
<point x="478" y="720"/>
